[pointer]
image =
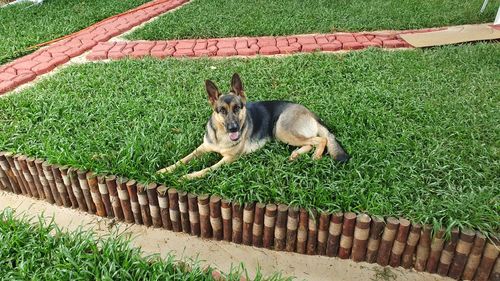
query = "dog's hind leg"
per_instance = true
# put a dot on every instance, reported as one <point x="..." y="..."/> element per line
<point x="197" y="152"/>
<point x="296" y="153"/>
<point x="202" y="173"/>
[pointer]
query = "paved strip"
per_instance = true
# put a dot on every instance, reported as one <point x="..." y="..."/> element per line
<point x="27" y="68"/>
<point x="249" y="46"/>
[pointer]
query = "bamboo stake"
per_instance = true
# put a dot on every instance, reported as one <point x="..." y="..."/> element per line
<point x="114" y="198"/>
<point x="75" y="186"/>
<point x="361" y="234"/>
<point x="20" y="175"/>
<point x="437" y="246"/>
<point x="9" y="172"/>
<point x="474" y="257"/>
<point x="447" y="254"/>
<point x="248" y="216"/>
<point x="215" y="217"/>
<point x="423" y="248"/>
<point x="376" y="230"/>
<point x="490" y="254"/>
<point x="134" y="201"/>
<point x="399" y="243"/>
<point x="280" y="229"/>
<point x="96" y="196"/>
<point x="34" y="174"/>
<point x="61" y="188"/>
<point x="164" y="208"/>
<point x="124" y="199"/>
<point x="204" y="209"/>
<point x="144" y="204"/>
<point x="27" y="176"/>
<point x="302" y="231"/>
<point x="173" y="202"/>
<point x="226" y="220"/>
<point x="291" y="228"/>
<point x="258" y="225"/>
<point x="103" y="190"/>
<point x="67" y="185"/>
<point x="154" y="208"/>
<point x="183" y="207"/>
<point x="334" y="232"/>
<point x="237" y="223"/>
<point x="388" y="237"/>
<point x="269" y="224"/>
<point x="82" y="178"/>
<point x="462" y="252"/>
<point x="347" y="235"/>
<point x="312" y="234"/>
<point x="194" y="214"/>
<point x="411" y="245"/>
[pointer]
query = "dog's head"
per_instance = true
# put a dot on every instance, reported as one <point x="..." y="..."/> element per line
<point x="229" y="110"/>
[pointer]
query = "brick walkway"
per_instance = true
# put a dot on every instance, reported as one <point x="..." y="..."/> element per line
<point x="97" y="37"/>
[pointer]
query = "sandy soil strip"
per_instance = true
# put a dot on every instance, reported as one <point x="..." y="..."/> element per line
<point x="221" y="255"/>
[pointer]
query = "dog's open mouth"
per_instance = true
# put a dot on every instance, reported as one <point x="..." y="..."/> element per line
<point x="234" y="136"/>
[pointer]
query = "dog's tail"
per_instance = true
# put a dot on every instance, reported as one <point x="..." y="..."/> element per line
<point x="335" y="149"/>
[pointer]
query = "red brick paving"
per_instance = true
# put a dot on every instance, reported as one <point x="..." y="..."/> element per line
<point x="26" y="68"/>
<point x="226" y="47"/>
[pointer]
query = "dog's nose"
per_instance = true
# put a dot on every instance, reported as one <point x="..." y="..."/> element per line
<point x="233" y="127"/>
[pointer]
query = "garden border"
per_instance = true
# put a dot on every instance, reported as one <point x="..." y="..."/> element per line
<point x="396" y="242"/>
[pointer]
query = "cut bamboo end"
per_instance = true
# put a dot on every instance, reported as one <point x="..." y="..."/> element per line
<point x="113" y="197"/>
<point x="474" y="257"/>
<point x="388" y="238"/>
<point x="237" y="223"/>
<point x="103" y="190"/>
<point x="361" y="235"/>
<point x="194" y="214"/>
<point x="248" y="218"/>
<point x="154" y="208"/>
<point x="226" y="220"/>
<point x="269" y="225"/>
<point x="400" y="242"/>
<point x="302" y="231"/>
<point x="204" y="209"/>
<point x="462" y="251"/>
<point x="447" y="253"/>
<point x="411" y="245"/>
<point x="175" y="216"/>
<point x="258" y="225"/>
<point x="347" y="235"/>
<point x="164" y="207"/>
<point x="376" y="230"/>
<point x="280" y="229"/>
<point x="334" y="232"/>
<point x="124" y="197"/>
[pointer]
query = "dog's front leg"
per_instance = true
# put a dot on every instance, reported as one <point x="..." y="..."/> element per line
<point x="197" y="152"/>
<point x="201" y="173"/>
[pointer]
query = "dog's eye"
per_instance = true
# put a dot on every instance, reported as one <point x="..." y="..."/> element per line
<point x="222" y="110"/>
<point x="236" y="109"/>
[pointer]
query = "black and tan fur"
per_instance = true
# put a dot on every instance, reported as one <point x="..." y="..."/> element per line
<point x="237" y="127"/>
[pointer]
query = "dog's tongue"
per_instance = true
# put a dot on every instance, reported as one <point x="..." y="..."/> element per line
<point x="234" y="136"/>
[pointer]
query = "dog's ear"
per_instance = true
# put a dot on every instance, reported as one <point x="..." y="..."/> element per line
<point x="213" y="92"/>
<point x="237" y="86"/>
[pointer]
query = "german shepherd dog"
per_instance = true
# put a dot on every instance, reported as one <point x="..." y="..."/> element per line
<point x="237" y="127"/>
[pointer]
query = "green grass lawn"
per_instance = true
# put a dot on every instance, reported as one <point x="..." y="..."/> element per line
<point x="421" y="126"/>
<point x="22" y="26"/>
<point x="35" y="250"/>
<point x="207" y="19"/>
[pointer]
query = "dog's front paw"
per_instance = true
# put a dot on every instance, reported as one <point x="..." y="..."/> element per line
<point x="194" y="175"/>
<point x="168" y="169"/>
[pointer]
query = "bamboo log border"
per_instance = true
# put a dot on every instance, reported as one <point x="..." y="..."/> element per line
<point x="466" y="254"/>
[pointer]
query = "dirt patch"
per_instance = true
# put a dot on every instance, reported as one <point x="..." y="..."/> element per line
<point x="221" y="255"/>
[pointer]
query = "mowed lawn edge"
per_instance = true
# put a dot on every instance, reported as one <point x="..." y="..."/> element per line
<point x="420" y="126"/>
<point x="26" y="25"/>
<point x="215" y="19"/>
<point x="33" y="248"/>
